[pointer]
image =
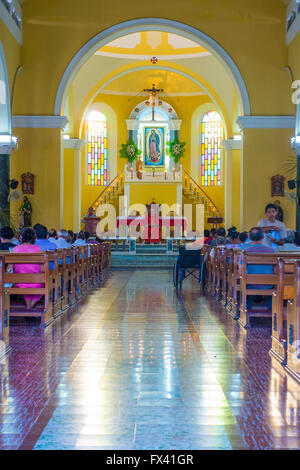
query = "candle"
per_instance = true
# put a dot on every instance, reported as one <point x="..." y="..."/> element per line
<point x="173" y="173"/>
<point x="131" y="172"/>
<point x="165" y="174"/>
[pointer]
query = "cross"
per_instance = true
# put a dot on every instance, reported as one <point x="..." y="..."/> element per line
<point x="153" y="92"/>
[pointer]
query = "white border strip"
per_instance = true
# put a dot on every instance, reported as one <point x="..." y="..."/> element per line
<point x="266" y="122"/>
<point x="143" y="24"/>
<point x="39" y="122"/>
<point x="10" y="24"/>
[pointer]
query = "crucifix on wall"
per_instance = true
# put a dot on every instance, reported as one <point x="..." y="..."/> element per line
<point x="153" y="98"/>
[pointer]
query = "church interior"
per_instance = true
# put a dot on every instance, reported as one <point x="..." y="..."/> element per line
<point x="149" y="225"/>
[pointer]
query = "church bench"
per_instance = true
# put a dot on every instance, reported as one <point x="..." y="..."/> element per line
<point x="292" y="365"/>
<point x="64" y="269"/>
<point x="83" y="269"/>
<point x="265" y="283"/>
<point x="233" y="302"/>
<point x="284" y="292"/>
<point x="43" y="309"/>
<point x="4" y="311"/>
<point x="54" y="293"/>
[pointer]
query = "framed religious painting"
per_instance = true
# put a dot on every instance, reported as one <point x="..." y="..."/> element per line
<point x="154" y="146"/>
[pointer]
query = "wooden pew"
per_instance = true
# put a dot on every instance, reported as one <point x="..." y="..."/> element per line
<point x="54" y="293"/>
<point x="233" y="293"/>
<point x="266" y="280"/>
<point x="42" y="311"/>
<point x="284" y="291"/>
<point x="293" y="328"/>
<point x="63" y="287"/>
<point x="4" y="312"/>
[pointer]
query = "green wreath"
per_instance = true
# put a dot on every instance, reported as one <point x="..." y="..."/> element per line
<point x="130" y="151"/>
<point x="176" y="150"/>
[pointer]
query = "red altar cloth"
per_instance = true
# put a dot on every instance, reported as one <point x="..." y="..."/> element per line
<point x="151" y="225"/>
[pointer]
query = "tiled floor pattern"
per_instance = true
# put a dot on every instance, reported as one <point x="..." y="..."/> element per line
<point x="139" y="368"/>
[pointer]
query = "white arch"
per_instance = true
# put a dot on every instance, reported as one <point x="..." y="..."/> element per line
<point x="5" y="112"/>
<point x="143" y="24"/>
<point x="146" y="67"/>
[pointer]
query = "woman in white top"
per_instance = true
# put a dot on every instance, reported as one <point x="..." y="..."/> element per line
<point x="274" y="230"/>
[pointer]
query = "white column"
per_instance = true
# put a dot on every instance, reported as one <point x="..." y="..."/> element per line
<point x="179" y="198"/>
<point x="229" y="145"/>
<point x="77" y="145"/>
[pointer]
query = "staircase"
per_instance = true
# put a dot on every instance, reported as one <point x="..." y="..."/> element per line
<point x="191" y="190"/>
<point x="110" y="195"/>
<point x="195" y="194"/>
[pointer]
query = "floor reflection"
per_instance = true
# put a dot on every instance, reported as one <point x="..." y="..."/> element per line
<point x="139" y="368"/>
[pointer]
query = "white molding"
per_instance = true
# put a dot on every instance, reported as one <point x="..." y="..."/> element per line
<point x="143" y="24"/>
<point x="119" y="55"/>
<point x="6" y="149"/>
<point x="296" y="146"/>
<point x="39" y="122"/>
<point x="76" y="144"/>
<point x="175" y="124"/>
<point x="10" y="24"/>
<point x="266" y="122"/>
<point x="132" y="124"/>
<point x="7" y="126"/>
<point x="295" y="27"/>
<point x="232" y="144"/>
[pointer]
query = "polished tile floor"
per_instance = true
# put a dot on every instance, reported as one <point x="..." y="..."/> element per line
<point x="138" y="368"/>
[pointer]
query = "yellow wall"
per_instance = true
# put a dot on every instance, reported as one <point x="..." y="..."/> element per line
<point x="184" y="106"/>
<point x="39" y="153"/>
<point x="293" y="56"/>
<point x="252" y="32"/>
<point x="263" y="157"/>
<point x="236" y="193"/>
<point x="68" y="188"/>
<point x="12" y="51"/>
<point x="144" y="193"/>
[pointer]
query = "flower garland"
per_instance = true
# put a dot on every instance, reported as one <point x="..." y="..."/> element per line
<point x="176" y="150"/>
<point x="130" y="151"/>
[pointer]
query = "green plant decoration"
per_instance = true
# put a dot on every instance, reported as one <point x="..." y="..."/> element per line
<point x="289" y="167"/>
<point x="130" y="151"/>
<point x="176" y="150"/>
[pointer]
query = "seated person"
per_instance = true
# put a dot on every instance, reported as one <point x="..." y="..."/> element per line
<point x="6" y="236"/>
<point x="220" y="238"/>
<point x="212" y="235"/>
<point x="233" y="238"/>
<point x="274" y="230"/>
<point x="256" y="245"/>
<point x="61" y="241"/>
<point x="42" y="238"/>
<point x="292" y="242"/>
<point x="80" y="239"/>
<point x="27" y="245"/>
<point x="244" y="239"/>
<point x="52" y="235"/>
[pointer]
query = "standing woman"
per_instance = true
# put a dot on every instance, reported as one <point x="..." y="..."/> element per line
<point x="27" y="240"/>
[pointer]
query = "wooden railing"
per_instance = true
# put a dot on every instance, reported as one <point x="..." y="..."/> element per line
<point x="196" y="192"/>
<point x="111" y="190"/>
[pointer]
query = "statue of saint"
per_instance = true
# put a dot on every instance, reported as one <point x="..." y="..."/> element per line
<point x="279" y="215"/>
<point x="154" y="147"/>
<point x="25" y="213"/>
<point x="139" y="168"/>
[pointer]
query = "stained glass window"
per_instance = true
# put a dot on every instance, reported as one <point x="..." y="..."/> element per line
<point x="97" y="149"/>
<point x="211" y="150"/>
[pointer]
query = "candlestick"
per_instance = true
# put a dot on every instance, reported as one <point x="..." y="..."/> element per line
<point x="173" y="173"/>
<point x="131" y="172"/>
<point x="165" y="174"/>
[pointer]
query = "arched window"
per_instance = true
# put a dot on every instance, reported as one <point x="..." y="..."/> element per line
<point x="211" y="150"/>
<point x="97" y="149"/>
<point x="5" y="117"/>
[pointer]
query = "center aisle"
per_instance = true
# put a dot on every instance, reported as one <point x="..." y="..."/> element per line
<point x="143" y="369"/>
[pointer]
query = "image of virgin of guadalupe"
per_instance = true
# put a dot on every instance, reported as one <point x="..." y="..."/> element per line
<point x="154" y="153"/>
